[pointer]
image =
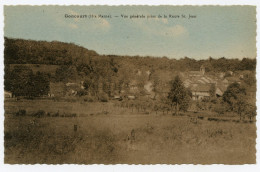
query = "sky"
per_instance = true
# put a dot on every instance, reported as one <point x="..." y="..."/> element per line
<point x="217" y="31"/>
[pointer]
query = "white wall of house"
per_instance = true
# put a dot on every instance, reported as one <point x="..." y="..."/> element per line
<point x="198" y="95"/>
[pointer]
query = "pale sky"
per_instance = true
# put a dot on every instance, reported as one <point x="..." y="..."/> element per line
<point x="228" y="31"/>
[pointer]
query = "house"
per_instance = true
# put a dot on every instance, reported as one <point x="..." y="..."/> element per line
<point x="148" y="86"/>
<point x="219" y="92"/>
<point x="148" y="72"/>
<point x="148" y="89"/>
<point x="200" y="91"/>
<point x="221" y="75"/>
<point x="50" y="95"/>
<point x="220" y="89"/>
<point x="225" y="82"/>
<point x="187" y="83"/>
<point x="69" y="84"/>
<point x="207" y="80"/>
<point x="230" y="73"/>
<point x="139" y="72"/>
<point x="117" y="97"/>
<point x="232" y="80"/>
<point x="131" y="97"/>
<point x="8" y="94"/>
<point x="133" y="86"/>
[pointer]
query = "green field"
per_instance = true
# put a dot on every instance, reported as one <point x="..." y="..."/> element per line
<point x="109" y="135"/>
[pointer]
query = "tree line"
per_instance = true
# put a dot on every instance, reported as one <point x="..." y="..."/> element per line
<point x="19" y="51"/>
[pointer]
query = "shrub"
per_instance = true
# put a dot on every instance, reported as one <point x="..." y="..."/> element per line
<point x="213" y="100"/>
<point x="39" y="114"/>
<point x="103" y="97"/>
<point x="21" y="112"/>
<point x="69" y="115"/>
<point x="82" y="93"/>
<point x="201" y="117"/>
<point x="219" y="108"/>
<point x="88" y="99"/>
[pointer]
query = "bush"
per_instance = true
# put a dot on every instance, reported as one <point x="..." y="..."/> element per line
<point x="103" y="97"/>
<point x="57" y="114"/>
<point x="213" y="100"/>
<point x="39" y="114"/>
<point x="88" y="99"/>
<point x="69" y="115"/>
<point x="201" y="105"/>
<point x="82" y="93"/>
<point x="21" y="112"/>
<point x="220" y="109"/>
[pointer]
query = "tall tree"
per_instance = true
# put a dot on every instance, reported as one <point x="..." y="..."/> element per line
<point x="212" y="90"/>
<point x="235" y="97"/>
<point x="178" y="95"/>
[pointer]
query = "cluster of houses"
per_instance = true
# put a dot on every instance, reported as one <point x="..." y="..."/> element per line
<point x="199" y="82"/>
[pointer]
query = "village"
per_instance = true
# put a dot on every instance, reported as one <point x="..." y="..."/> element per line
<point x="198" y="82"/>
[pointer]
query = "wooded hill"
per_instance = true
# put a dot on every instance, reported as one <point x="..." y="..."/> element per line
<point x="19" y="51"/>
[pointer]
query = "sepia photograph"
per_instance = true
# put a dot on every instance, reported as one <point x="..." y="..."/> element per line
<point x="130" y="84"/>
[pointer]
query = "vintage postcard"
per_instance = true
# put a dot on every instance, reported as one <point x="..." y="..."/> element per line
<point x="130" y="84"/>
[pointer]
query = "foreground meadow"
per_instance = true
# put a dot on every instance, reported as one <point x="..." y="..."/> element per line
<point x="102" y="133"/>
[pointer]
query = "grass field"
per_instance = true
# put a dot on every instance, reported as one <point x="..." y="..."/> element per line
<point x="110" y="135"/>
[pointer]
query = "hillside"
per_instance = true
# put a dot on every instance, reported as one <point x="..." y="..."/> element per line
<point x="19" y="51"/>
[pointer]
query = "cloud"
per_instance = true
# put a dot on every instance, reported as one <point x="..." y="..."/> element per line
<point x="176" y="30"/>
<point x="73" y="26"/>
<point x="165" y="21"/>
<point x="75" y="14"/>
<point x="98" y="25"/>
<point x="104" y="23"/>
<point x="161" y="20"/>
<point x="161" y="27"/>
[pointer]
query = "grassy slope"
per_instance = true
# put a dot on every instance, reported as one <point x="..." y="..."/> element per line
<point x="107" y="138"/>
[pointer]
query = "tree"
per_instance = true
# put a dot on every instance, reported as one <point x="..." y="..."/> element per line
<point x="178" y="95"/>
<point x="235" y="97"/>
<point x="41" y="84"/>
<point x="65" y="72"/>
<point x="22" y="82"/>
<point x="7" y="78"/>
<point x="250" y="111"/>
<point x="87" y="83"/>
<point x="212" y="90"/>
